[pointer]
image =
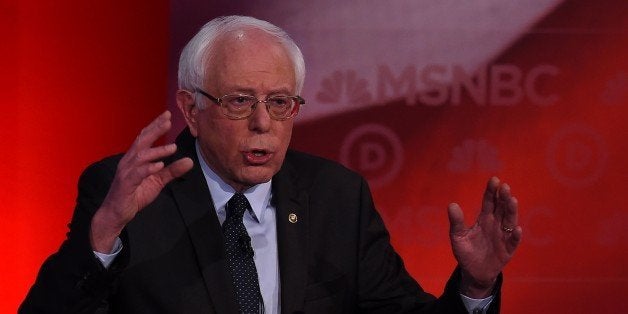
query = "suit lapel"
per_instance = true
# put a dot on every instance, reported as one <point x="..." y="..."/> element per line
<point x="197" y="211"/>
<point x="292" y="223"/>
<point x="199" y="215"/>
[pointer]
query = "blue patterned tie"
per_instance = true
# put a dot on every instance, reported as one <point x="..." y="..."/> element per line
<point x="240" y="257"/>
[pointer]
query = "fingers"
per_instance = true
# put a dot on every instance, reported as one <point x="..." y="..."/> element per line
<point x="175" y="170"/>
<point x="488" y="200"/>
<point x="498" y="201"/>
<point x="155" y="153"/>
<point x="514" y="239"/>
<point x="151" y="133"/>
<point x="138" y="163"/>
<point x="510" y="212"/>
<point x="139" y="178"/>
<point x="502" y="198"/>
<point x="154" y="130"/>
<point x="135" y="167"/>
<point x="506" y="214"/>
<point x="137" y="174"/>
<point x="456" y="219"/>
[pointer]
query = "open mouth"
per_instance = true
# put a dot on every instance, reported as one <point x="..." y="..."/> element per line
<point x="257" y="156"/>
<point x="258" y="153"/>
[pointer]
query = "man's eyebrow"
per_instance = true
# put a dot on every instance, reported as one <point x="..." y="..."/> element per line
<point x="239" y="89"/>
<point x="281" y="91"/>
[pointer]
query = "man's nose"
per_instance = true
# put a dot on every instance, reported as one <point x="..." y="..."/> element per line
<point x="260" y="121"/>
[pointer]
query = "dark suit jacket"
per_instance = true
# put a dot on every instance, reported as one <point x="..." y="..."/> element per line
<point x="335" y="259"/>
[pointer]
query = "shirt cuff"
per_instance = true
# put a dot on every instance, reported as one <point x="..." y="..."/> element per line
<point x="476" y="306"/>
<point x="107" y="259"/>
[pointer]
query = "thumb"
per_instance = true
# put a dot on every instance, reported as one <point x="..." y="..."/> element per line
<point x="456" y="218"/>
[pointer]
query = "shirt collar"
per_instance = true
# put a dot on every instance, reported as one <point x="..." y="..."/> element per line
<point x="221" y="192"/>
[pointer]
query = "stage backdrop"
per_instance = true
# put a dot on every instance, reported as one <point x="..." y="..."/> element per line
<point x="78" y="80"/>
<point x="426" y="99"/>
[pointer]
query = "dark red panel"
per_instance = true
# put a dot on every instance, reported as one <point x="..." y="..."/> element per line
<point x="82" y="80"/>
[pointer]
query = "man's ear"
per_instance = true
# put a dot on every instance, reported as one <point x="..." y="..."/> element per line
<point x="187" y="105"/>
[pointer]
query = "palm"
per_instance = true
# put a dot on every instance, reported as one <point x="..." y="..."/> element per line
<point x="139" y="179"/>
<point x="484" y="249"/>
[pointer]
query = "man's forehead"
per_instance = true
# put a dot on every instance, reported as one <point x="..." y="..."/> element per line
<point x="248" y="44"/>
<point x="247" y="58"/>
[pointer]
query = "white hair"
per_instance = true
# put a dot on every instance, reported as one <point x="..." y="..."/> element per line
<point x="197" y="54"/>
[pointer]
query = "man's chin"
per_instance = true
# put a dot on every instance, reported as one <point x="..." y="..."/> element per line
<point x="252" y="177"/>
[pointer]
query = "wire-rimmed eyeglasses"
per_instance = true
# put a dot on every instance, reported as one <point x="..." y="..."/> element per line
<point x="241" y="106"/>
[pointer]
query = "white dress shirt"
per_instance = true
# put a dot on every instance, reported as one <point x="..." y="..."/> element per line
<point x="261" y="226"/>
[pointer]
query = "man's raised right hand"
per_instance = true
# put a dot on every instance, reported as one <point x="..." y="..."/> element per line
<point x="138" y="180"/>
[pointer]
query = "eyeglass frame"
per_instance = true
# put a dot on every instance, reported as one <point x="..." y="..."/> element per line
<point x="218" y="101"/>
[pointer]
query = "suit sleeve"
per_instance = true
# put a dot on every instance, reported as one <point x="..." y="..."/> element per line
<point x="384" y="284"/>
<point x="73" y="280"/>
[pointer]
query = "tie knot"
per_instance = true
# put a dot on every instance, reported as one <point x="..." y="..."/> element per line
<point x="237" y="205"/>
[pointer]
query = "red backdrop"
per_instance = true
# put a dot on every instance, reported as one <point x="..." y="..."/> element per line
<point x="79" y="79"/>
<point x="546" y="114"/>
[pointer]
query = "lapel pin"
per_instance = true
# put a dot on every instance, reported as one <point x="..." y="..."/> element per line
<point x="292" y="218"/>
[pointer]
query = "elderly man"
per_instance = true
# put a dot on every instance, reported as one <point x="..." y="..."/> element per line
<point x="228" y="220"/>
